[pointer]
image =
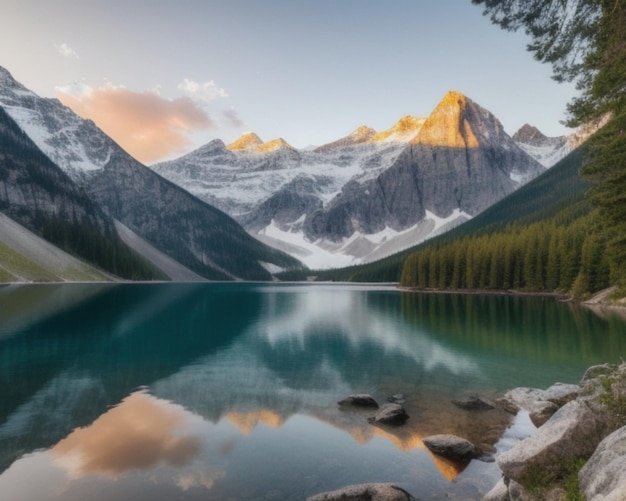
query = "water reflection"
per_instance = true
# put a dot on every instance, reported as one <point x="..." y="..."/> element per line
<point x="241" y="383"/>
<point x="139" y="433"/>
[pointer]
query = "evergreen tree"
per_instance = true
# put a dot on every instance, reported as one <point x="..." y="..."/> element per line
<point x="583" y="40"/>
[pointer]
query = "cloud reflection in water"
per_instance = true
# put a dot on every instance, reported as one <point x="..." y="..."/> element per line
<point x="138" y="434"/>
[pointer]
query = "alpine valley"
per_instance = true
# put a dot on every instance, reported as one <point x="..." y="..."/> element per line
<point x="251" y="209"/>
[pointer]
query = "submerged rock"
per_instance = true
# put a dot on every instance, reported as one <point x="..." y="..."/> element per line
<point x="451" y="447"/>
<point x="393" y="414"/>
<point x="360" y="400"/>
<point x="362" y="492"/>
<point x="474" y="403"/>
<point x="397" y="398"/>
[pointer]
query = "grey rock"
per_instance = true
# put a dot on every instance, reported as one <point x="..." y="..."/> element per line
<point x="596" y="371"/>
<point x="393" y="414"/>
<point x="542" y="404"/>
<point x="560" y="393"/>
<point x="474" y="403"/>
<point x="500" y="492"/>
<point x="360" y="400"/>
<point x="541" y="411"/>
<point x="604" y="476"/>
<point x="365" y="492"/>
<point x="572" y="432"/>
<point x="451" y="447"/>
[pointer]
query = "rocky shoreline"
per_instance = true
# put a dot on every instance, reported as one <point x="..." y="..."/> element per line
<point x="577" y="452"/>
<point x="579" y="448"/>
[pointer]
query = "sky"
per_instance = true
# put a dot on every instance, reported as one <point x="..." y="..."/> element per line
<point x="163" y="77"/>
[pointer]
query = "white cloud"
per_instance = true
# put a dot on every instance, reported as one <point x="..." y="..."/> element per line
<point x="66" y="51"/>
<point x="206" y="92"/>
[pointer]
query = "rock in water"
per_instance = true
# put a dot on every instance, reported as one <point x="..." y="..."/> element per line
<point x="393" y="414"/>
<point x="396" y="398"/>
<point x="451" y="447"/>
<point x="474" y="403"/>
<point x="360" y="400"/>
<point x="361" y="492"/>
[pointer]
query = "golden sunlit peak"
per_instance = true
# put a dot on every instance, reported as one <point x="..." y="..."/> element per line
<point x="408" y="125"/>
<point x="247" y="141"/>
<point x="362" y="134"/>
<point x="273" y="145"/>
<point x="448" y="124"/>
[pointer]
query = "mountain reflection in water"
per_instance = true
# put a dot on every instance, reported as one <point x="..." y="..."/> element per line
<point x="163" y="391"/>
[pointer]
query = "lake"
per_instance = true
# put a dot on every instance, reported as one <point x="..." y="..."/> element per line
<point x="229" y="391"/>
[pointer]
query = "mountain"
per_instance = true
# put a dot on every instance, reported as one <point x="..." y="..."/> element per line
<point x="195" y="234"/>
<point x="368" y="194"/>
<point x="558" y="194"/>
<point x="38" y="195"/>
<point x="549" y="150"/>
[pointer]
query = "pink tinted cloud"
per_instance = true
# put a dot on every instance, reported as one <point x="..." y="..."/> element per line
<point x="146" y="125"/>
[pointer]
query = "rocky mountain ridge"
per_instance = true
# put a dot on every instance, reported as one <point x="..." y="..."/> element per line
<point x="366" y="195"/>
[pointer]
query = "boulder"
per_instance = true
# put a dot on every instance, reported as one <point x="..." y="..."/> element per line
<point x="541" y="412"/>
<point x="360" y="400"/>
<point x="474" y="403"/>
<point x="451" y="447"/>
<point x="393" y="414"/>
<point x="524" y="398"/>
<point x="541" y="404"/>
<point x="500" y="492"/>
<point x="572" y="432"/>
<point x="560" y="393"/>
<point x="604" y="476"/>
<point x="596" y="371"/>
<point x="371" y="492"/>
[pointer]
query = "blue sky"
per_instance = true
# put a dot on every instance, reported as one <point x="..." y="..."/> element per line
<point x="177" y="74"/>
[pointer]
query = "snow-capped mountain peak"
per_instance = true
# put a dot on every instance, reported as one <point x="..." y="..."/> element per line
<point x="74" y="144"/>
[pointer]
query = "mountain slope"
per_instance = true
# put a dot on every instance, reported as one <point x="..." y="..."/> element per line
<point x="188" y="230"/>
<point x="557" y="193"/>
<point x="40" y="196"/>
<point x="25" y="257"/>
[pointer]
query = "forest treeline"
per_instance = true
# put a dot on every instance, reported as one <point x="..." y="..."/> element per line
<point x="546" y="256"/>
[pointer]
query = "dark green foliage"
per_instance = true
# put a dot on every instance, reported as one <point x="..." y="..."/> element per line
<point x="41" y="197"/>
<point x="538" y="257"/>
<point x="583" y="40"/>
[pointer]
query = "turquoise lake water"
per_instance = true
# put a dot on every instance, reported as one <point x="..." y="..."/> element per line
<point x="229" y="391"/>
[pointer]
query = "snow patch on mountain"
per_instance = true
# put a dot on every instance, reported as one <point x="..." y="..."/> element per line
<point x="358" y="248"/>
<point x="74" y="144"/>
